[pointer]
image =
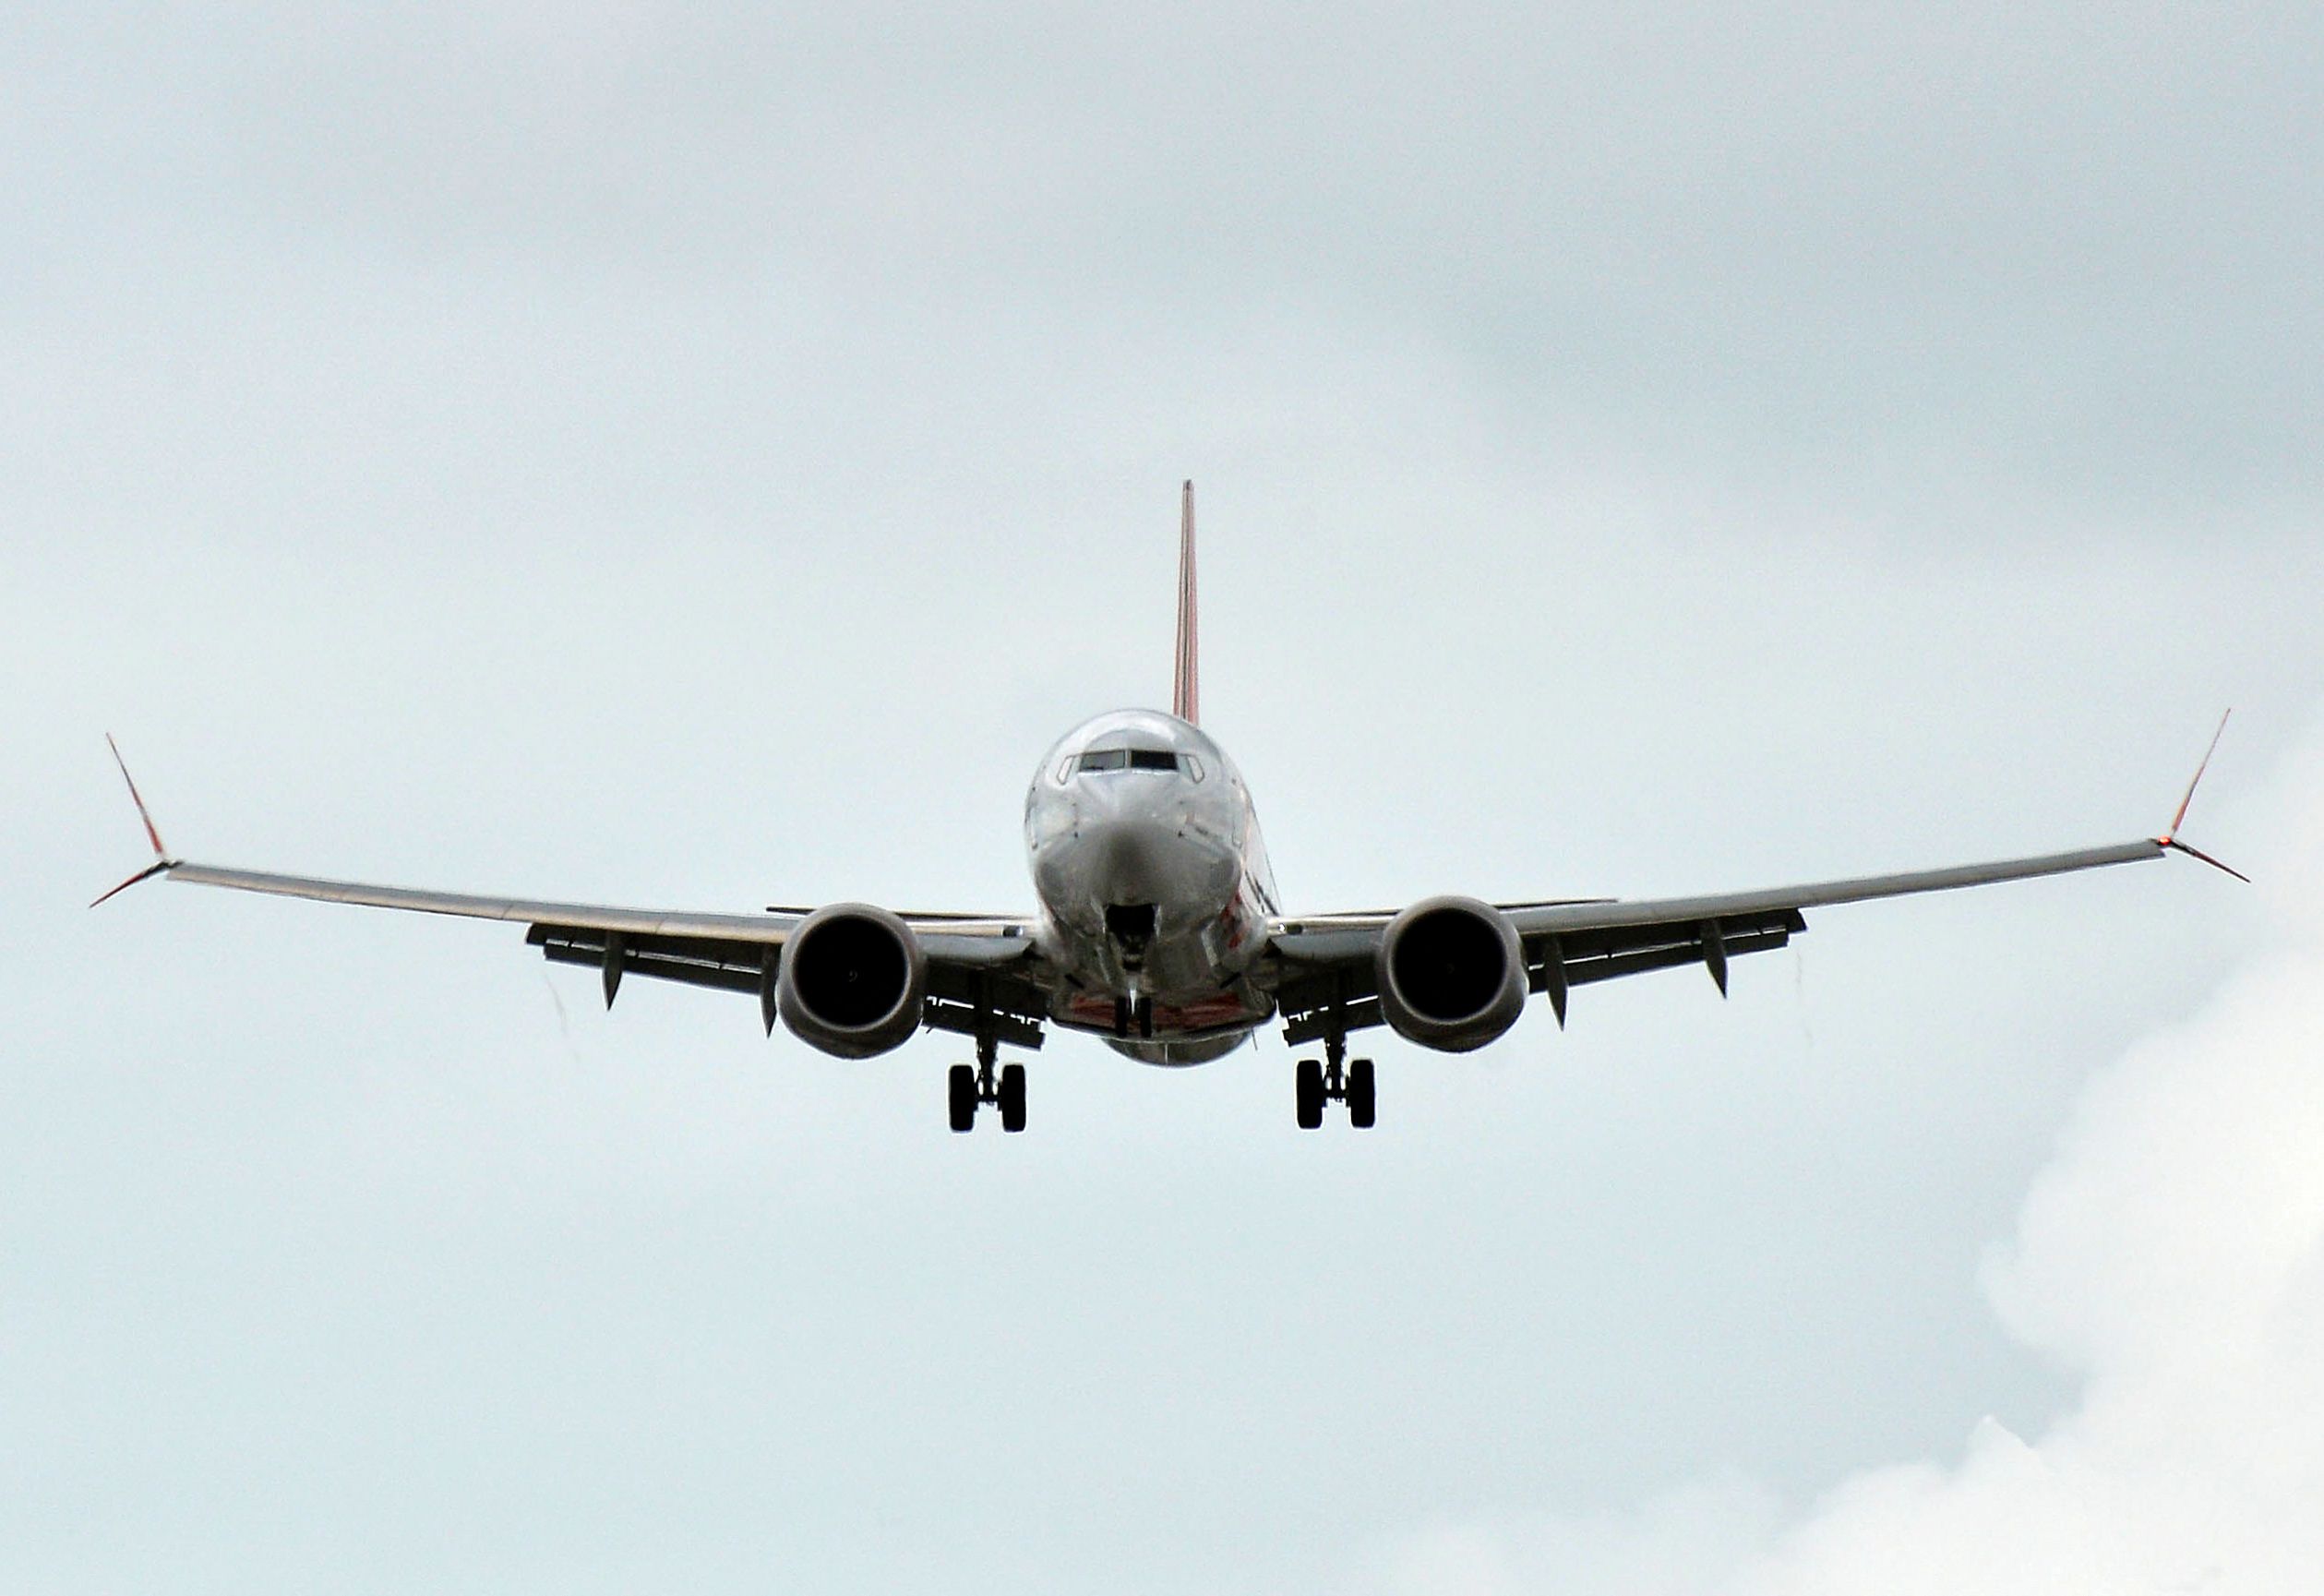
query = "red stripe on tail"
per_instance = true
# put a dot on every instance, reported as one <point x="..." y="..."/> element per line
<point x="1185" y="700"/>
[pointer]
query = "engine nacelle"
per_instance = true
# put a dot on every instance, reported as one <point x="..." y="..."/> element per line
<point x="1452" y="974"/>
<point x="853" y="980"/>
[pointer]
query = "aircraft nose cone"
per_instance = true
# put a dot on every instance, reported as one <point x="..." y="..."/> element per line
<point x="1131" y="840"/>
<point x="1124" y="860"/>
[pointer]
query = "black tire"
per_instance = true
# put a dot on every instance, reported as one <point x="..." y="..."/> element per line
<point x="1013" y="1097"/>
<point x="1310" y="1084"/>
<point x="963" y="1085"/>
<point x="1363" y="1096"/>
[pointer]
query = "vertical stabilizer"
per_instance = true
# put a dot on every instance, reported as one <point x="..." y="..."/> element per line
<point x="1184" y="699"/>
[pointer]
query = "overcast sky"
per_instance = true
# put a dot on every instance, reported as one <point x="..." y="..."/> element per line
<point x="701" y="456"/>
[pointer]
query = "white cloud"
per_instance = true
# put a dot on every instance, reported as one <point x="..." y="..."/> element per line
<point x="2171" y="1252"/>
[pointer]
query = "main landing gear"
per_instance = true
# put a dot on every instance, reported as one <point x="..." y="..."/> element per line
<point x="1335" y="1079"/>
<point x="972" y="1087"/>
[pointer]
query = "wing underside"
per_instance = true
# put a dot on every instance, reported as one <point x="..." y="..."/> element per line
<point x="1326" y="970"/>
<point x="975" y="983"/>
<point x="978" y="965"/>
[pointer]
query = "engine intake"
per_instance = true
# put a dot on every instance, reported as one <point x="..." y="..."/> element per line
<point x="854" y="980"/>
<point x="1451" y="974"/>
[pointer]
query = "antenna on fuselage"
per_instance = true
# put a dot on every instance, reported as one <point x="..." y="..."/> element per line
<point x="1184" y="694"/>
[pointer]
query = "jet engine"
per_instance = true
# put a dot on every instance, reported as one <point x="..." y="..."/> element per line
<point x="1452" y="974"/>
<point x="853" y="981"/>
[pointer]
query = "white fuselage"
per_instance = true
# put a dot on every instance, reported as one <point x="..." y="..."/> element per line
<point x="1153" y="886"/>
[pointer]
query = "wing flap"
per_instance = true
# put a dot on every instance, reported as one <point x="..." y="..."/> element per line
<point x="733" y="966"/>
<point x="966" y="989"/>
<point x="1604" y="956"/>
<point x="1351" y="986"/>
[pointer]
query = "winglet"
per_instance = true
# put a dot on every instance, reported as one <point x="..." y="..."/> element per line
<point x="1184" y="697"/>
<point x="2170" y="838"/>
<point x="146" y="875"/>
<point x="162" y="860"/>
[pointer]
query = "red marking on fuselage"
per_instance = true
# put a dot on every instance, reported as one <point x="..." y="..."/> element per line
<point x="1208" y="1011"/>
<point x="1093" y="1012"/>
<point x="1202" y="1014"/>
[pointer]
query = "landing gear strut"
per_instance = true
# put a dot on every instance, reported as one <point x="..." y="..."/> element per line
<point x="1336" y="1079"/>
<point x="972" y="1087"/>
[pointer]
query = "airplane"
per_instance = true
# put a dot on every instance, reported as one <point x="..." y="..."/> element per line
<point x="1159" y="929"/>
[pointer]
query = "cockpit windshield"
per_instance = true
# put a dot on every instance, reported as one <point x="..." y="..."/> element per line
<point x="1128" y="759"/>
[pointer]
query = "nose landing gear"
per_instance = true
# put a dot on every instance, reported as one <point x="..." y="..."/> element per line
<point x="1132" y="928"/>
<point x="1335" y="1079"/>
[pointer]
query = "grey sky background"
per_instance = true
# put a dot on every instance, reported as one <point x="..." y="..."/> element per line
<point x="702" y="457"/>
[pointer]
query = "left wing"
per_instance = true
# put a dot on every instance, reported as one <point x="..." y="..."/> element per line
<point x="1325" y="970"/>
<point x="1329" y="961"/>
<point x="1328" y="964"/>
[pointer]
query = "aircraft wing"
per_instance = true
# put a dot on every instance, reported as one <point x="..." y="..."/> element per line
<point x="756" y="929"/>
<point x="980" y="974"/>
<point x="976" y="939"/>
<point x="1330" y="960"/>
<point x="969" y="956"/>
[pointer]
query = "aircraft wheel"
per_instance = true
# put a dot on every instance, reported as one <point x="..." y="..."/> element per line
<point x="1362" y="1093"/>
<point x="1310" y="1084"/>
<point x="963" y="1091"/>
<point x="1013" y="1097"/>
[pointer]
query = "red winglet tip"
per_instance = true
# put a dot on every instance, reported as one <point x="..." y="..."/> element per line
<point x="151" y="834"/>
<point x="2179" y="819"/>
<point x="2178" y="846"/>
<point x="2170" y="839"/>
<point x="146" y="874"/>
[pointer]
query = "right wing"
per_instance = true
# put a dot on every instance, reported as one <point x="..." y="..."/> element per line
<point x="973" y="961"/>
<point x="981" y="968"/>
<point x="977" y="938"/>
<point x="768" y="930"/>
